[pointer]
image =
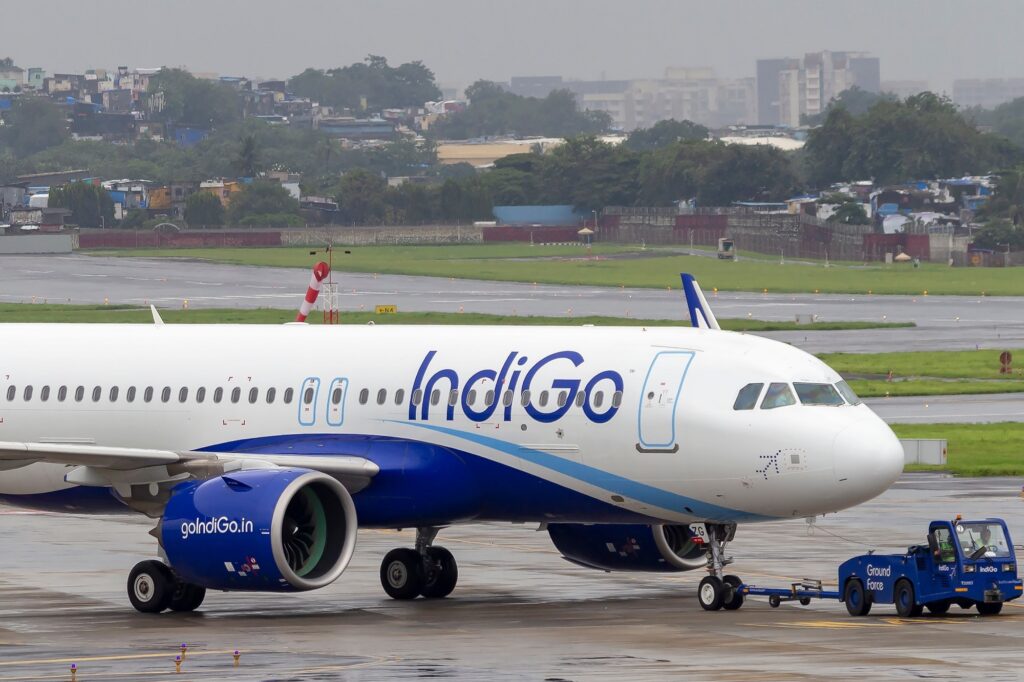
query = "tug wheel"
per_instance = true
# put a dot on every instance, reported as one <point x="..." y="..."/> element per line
<point x="858" y="601"/>
<point x="733" y="598"/>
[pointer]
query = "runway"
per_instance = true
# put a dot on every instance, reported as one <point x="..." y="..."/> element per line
<point x="949" y="322"/>
<point x="520" y="612"/>
<point x="978" y="409"/>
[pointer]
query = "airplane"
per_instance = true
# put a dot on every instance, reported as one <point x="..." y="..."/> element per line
<point x="261" y="450"/>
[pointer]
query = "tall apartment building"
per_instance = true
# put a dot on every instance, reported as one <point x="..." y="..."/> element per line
<point x="987" y="92"/>
<point x="790" y="88"/>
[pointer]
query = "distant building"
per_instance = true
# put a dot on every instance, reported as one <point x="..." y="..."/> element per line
<point x="349" y="128"/>
<point x="789" y="89"/>
<point x="905" y="89"/>
<point x="987" y="92"/>
<point x="534" y="86"/>
<point x="11" y="77"/>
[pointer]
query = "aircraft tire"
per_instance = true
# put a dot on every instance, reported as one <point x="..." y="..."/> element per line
<point x="150" y="586"/>
<point x="733" y="598"/>
<point x="990" y="608"/>
<point x="858" y="601"/>
<point x="710" y="593"/>
<point x="187" y="597"/>
<point x="441" y="576"/>
<point x="401" y="573"/>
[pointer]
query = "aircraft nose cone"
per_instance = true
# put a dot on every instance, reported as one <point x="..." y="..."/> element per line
<point x="868" y="458"/>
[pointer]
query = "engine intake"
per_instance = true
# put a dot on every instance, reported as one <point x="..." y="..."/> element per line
<point x="267" y="529"/>
<point x="611" y="547"/>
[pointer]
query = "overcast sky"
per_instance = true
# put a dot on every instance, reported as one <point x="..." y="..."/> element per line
<point x="463" y="40"/>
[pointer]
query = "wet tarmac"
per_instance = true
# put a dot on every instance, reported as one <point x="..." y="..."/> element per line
<point x="520" y="612"/>
<point x="943" y="322"/>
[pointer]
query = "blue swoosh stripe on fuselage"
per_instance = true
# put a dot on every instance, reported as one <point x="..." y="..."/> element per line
<point x="602" y="479"/>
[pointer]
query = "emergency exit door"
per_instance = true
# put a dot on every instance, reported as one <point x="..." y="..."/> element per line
<point x="659" y="401"/>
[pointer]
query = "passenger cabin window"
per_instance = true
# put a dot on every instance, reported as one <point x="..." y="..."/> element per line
<point x="236" y="394"/>
<point x="113" y="394"/>
<point x="435" y="397"/>
<point x="364" y="396"/>
<point x="818" y="394"/>
<point x="580" y="398"/>
<point x="562" y="397"/>
<point x="524" y="399"/>
<point x="399" y="396"/>
<point x="747" y="398"/>
<point x="307" y="395"/>
<point x="543" y="399"/>
<point x="62" y="394"/>
<point x="382" y="395"/>
<point x="271" y="394"/>
<point x="12" y="391"/>
<point x="336" y="396"/>
<point x="147" y="395"/>
<point x="218" y="394"/>
<point x="200" y="394"/>
<point x="489" y="399"/>
<point x="777" y="395"/>
<point x="27" y="393"/>
<point x="129" y="395"/>
<point x="599" y="399"/>
<point x="44" y="393"/>
<point x="289" y="393"/>
<point x="417" y="396"/>
<point x="471" y="397"/>
<point x="254" y="394"/>
<point x="165" y="394"/>
<point x="847" y="392"/>
<point x="453" y="397"/>
<point x="182" y="394"/>
<point x="506" y="399"/>
<point x="79" y="394"/>
<point x="97" y="393"/>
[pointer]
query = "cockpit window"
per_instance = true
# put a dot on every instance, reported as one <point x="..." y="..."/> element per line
<point x="847" y="392"/>
<point x="777" y="395"/>
<point x="747" y="398"/>
<point x="979" y="540"/>
<point x="818" y="394"/>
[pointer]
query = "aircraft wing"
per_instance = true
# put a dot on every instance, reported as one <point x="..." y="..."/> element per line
<point x="109" y="466"/>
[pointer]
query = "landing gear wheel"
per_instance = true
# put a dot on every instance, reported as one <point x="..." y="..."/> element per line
<point x="990" y="608"/>
<point x="710" y="593"/>
<point x="150" y="586"/>
<point x="441" y="574"/>
<point x="733" y="598"/>
<point x="858" y="602"/>
<point x="401" y="573"/>
<point x="186" y="597"/>
<point x="774" y="601"/>
<point x="938" y="607"/>
<point x="903" y="595"/>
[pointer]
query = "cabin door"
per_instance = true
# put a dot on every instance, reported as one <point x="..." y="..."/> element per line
<point x="659" y="401"/>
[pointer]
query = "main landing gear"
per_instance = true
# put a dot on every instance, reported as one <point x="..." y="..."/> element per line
<point x="718" y="590"/>
<point x="153" y="587"/>
<point x="426" y="571"/>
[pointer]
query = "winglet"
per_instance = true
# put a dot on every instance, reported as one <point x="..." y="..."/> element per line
<point x="700" y="312"/>
<point x="156" y="316"/>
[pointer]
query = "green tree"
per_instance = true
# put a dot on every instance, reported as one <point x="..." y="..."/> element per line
<point x="372" y="82"/>
<point x="493" y="111"/>
<point x="204" y="208"/>
<point x="191" y="101"/>
<point x="664" y="133"/>
<point x="33" y="124"/>
<point x="90" y="205"/>
<point x="854" y="100"/>
<point x="360" y="195"/>
<point x="264" y="202"/>
<point x="849" y="210"/>
<point x="247" y="161"/>
<point x="589" y="174"/>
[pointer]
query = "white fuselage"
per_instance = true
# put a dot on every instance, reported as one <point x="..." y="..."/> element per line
<point x="656" y="433"/>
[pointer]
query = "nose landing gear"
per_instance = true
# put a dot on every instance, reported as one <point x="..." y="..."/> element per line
<point x="427" y="570"/>
<point x="718" y="590"/>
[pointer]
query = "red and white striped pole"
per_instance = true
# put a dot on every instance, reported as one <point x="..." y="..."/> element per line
<point x="320" y="272"/>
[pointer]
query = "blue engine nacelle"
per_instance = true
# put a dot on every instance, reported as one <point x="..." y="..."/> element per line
<point x="611" y="547"/>
<point x="263" y="529"/>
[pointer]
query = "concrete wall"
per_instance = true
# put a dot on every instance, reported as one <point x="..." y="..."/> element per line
<point x="36" y="243"/>
<point x="368" y="236"/>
